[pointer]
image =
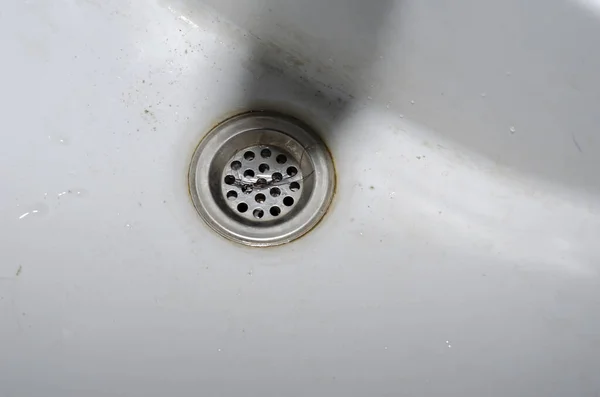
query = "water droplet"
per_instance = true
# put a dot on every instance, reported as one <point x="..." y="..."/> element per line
<point x="483" y="94"/>
<point x="369" y="98"/>
<point x="401" y="116"/>
<point x="412" y="102"/>
<point x="58" y="140"/>
<point x="512" y="129"/>
<point x="35" y="211"/>
<point x="387" y="106"/>
<point x="27" y="214"/>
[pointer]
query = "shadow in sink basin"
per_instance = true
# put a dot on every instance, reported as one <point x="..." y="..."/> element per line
<point x="298" y="73"/>
<point x="524" y="97"/>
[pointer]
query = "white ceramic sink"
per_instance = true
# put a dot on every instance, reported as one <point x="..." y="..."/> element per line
<point x="460" y="256"/>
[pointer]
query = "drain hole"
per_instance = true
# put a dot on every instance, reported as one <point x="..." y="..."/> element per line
<point x="294" y="186"/>
<point x="265" y="153"/>
<point x="230" y="179"/>
<point x="236" y="165"/>
<point x="277" y="177"/>
<point x="258" y="213"/>
<point x="249" y="156"/>
<point x="264" y="168"/>
<point x="260" y="198"/>
<point x="261" y="182"/>
<point x="275" y="211"/>
<point x="275" y="192"/>
<point x="242" y="207"/>
<point x="281" y="159"/>
<point x="288" y="201"/>
<point x="292" y="171"/>
<point x="231" y="195"/>
<point x="249" y="173"/>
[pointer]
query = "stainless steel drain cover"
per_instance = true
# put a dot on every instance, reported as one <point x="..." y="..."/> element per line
<point x="261" y="179"/>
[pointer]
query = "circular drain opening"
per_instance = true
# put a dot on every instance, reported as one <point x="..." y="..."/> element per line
<point x="262" y="179"/>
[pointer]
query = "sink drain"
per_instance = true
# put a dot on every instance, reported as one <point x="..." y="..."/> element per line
<point x="261" y="179"/>
<point x="267" y="174"/>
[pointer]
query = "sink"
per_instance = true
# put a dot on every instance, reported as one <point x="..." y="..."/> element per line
<point x="459" y="255"/>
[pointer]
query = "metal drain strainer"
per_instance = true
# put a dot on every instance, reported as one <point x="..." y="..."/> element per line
<point x="261" y="179"/>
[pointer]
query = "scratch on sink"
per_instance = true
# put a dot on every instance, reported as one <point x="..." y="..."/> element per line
<point x="184" y="18"/>
<point x="19" y="270"/>
<point x="576" y="143"/>
<point x="188" y="21"/>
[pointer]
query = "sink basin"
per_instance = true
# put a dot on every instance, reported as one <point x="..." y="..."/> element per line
<point x="459" y="255"/>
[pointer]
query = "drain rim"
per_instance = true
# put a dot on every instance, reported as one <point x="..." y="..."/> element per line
<point x="215" y="143"/>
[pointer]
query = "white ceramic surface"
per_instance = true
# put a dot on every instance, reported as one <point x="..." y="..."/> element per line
<point x="460" y="256"/>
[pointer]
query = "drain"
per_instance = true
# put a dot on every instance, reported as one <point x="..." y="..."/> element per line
<point x="261" y="179"/>
<point x="259" y="169"/>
